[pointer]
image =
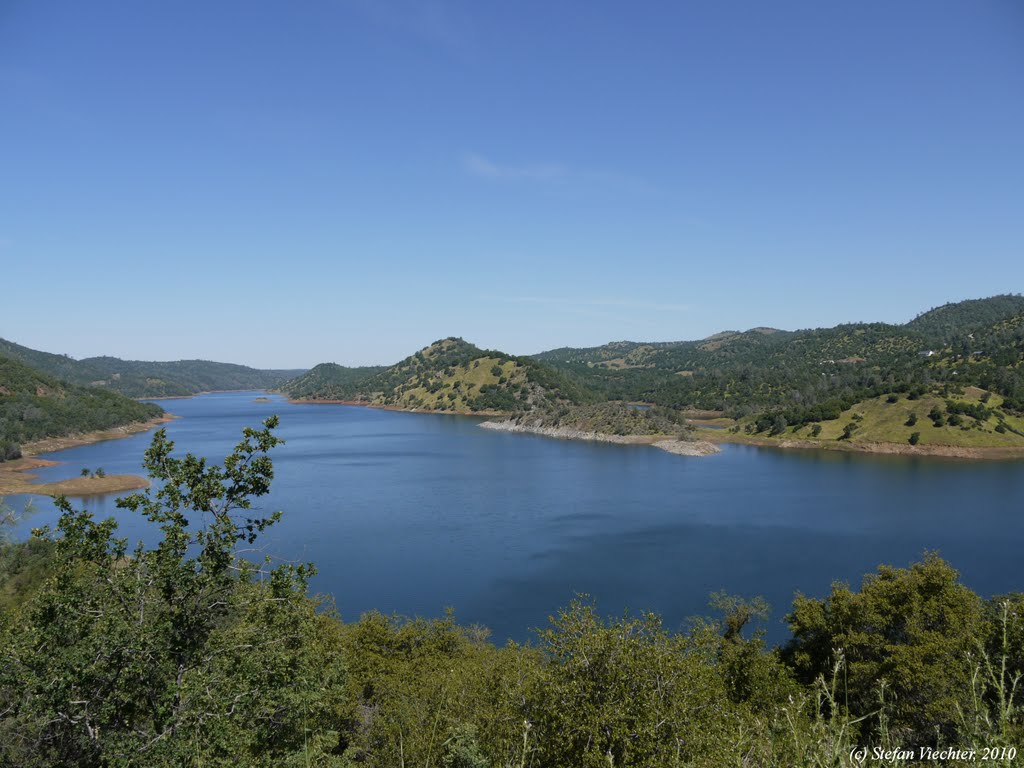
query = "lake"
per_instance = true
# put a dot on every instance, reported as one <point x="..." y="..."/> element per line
<point x="411" y="513"/>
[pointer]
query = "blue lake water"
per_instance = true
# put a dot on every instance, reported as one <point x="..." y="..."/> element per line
<point x="411" y="513"/>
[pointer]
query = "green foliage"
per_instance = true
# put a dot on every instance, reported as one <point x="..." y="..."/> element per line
<point x="914" y="438"/>
<point x="23" y="565"/>
<point x="505" y="384"/>
<point x="610" y="419"/>
<point x="185" y="653"/>
<point x="134" y="378"/>
<point x="950" y="321"/>
<point x="913" y="628"/>
<point x="626" y="692"/>
<point x="815" y="375"/>
<point x="34" y="406"/>
<point x="328" y="381"/>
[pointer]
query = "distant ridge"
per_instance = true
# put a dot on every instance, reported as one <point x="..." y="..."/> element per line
<point x="135" y="378"/>
<point x="808" y="375"/>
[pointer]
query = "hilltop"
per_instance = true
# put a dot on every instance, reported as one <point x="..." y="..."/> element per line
<point x="450" y="375"/>
<point x="136" y="378"/>
<point x="946" y="323"/>
<point x="329" y="381"/>
<point x="780" y="384"/>
<point x="34" y="406"/>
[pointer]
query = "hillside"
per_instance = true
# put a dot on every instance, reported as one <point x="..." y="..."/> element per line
<point x="815" y="374"/>
<point x="965" y="418"/>
<point x="34" y="405"/>
<point x="951" y="321"/>
<point x="329" y="381"/>
<point x="617" y="419"/>
<point x="451" y="375"/>
<point x="135" y="378"/>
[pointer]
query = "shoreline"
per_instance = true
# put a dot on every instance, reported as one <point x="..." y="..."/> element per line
<point x="972" y="452"/>
<point x="664" y="442"/>
<point x="17" y="477"/>
<point x="397" y="408"/>
<point x="54" y="444"/>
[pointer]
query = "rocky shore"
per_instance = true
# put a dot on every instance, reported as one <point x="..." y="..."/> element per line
<point x="679" y="447"/>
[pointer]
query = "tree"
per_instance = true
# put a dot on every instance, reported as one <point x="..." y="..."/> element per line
<point x="185" y="653"/>
<point x="625" y="692"/>
<point x="913" y="628"/>
<point x="914" y="438"/>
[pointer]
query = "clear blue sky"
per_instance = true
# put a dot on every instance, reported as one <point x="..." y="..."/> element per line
<point x="280" y="184"/>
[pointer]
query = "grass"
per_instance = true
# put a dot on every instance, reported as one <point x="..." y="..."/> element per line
<point x="878" y="421"/>
<point x="464" y="382"/>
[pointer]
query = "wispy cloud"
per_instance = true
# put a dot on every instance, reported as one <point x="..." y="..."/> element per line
<point x="569" y="302"/>
<point x="476" y="164"/>
<point x="432" y="21"/>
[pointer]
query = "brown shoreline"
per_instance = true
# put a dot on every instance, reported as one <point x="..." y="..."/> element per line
<point x="977" y="453"/>
<point x="52" y="444"/>
<point x="16" y="477"/>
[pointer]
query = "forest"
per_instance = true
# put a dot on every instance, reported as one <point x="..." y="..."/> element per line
<point x="200" y="650"/>
<point x="135" y="378"/>
<point x="34" y="405"/>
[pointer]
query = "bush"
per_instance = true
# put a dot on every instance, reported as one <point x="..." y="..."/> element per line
<point x="914" y="438"/>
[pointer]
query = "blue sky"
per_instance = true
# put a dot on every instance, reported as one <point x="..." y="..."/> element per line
<point x="280" y="184"/>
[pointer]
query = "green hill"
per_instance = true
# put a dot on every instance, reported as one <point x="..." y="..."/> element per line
<point x="329" y="381"/>
<point x="34" y="405"/>
<point x="135" y="378"/>
<point x="949" y="322"/>
<point x="451" y="375"/>
<point x="815" y="375"/>
<point x="963" y="418"/>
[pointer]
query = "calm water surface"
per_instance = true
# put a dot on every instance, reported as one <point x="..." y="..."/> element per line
<point x="415" y="512"/>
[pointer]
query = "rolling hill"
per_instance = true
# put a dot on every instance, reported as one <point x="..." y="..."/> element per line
<point x="329" y="381"/>
<point x="810" y="374"/>
<point x="135" y="378"/>
<point x="34" y="405"/>
<point x="451" y="375"/>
